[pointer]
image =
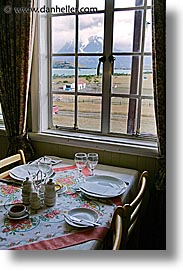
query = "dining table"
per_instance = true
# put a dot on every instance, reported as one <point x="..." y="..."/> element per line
<point x="47" y="227"/>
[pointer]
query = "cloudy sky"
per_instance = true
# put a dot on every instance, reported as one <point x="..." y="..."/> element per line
<point x="93" y="24"/>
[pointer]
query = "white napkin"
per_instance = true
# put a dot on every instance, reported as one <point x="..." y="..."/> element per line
<point x="100" y="188"/>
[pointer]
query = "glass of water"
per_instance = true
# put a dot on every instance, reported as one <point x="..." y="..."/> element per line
<point x="80" y="161"/>
<point x="92" y="162"/>
<point x="45" y="168"/>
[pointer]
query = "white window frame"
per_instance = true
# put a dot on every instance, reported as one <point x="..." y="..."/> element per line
<point x="40" y="87"/>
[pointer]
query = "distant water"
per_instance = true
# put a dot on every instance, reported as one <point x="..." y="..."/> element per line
<point x="69" y="72"/>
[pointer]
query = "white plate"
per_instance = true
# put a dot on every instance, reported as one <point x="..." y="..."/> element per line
<point x="18" y="218"/>
<point x="21" y="172"/>
<point x="102" y="186"/>
<point x="82" y="213"/>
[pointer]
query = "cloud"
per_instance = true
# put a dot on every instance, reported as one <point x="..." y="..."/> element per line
<point x="90" y="21"/>
<point x="63" y="29"/>
<point x="93" y="24"/>
<point x="63" y="23"/>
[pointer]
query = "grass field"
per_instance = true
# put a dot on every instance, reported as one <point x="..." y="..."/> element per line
<point x="89" y="107"/>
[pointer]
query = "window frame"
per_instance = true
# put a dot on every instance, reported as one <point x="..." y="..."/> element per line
<point x="106" y="95"/>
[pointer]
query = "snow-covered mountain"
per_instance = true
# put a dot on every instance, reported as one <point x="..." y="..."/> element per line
<point x="94" y="45"/>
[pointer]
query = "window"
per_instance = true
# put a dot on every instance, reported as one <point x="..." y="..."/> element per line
<point x="99" y="67"/>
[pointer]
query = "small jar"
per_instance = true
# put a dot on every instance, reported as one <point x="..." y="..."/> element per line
<point x="50" y="194"/>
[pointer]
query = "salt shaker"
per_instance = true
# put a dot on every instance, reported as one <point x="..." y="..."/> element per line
<point x="26" y="191"/>
<point x="50" y="194"/>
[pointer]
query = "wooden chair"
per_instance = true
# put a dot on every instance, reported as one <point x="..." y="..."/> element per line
<point x="18" y="158"/>
<point x="125" y="217"/>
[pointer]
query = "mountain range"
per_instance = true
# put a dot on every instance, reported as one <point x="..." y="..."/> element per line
<point x="94" y="45"/>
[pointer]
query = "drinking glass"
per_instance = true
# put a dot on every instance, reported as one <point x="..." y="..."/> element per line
<point x="45" y="171"/>
<point x="80" y="161"/>
<point x="33" y="169"/>
<point x="45" y="168"/>
<point x="92" y="162"/>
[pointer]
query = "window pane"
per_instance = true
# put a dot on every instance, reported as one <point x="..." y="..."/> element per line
<point x="128" y="3"/>
<point x="148" y="33"/>
<point x="88" y="80"/>
<point x="148" y="117"/>
<point x="89" y="116"/>
<point x="119" y="115"/>
<point x="91" y="33"/>
<point x="63" y="110"/>
<point x="63" y="73"/>
<point x="91" y="4"/>
<point x="147" y="84"/>
<point x="122" y="75"/>
<point x="124" y="31"/>
<point x="63" y="35"/>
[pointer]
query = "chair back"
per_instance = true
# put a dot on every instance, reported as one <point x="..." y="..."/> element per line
<point x="125" y="217"/>
<point x="4" y="163"/>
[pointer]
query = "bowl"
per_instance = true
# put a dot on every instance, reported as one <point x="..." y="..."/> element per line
<point x="17" y="210"/>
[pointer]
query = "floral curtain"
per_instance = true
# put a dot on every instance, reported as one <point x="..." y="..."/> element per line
<point x="16" y="44"/>
<point x="159" y="81"/>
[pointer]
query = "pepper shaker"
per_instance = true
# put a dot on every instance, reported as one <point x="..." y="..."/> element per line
<point x="50" y="194"/>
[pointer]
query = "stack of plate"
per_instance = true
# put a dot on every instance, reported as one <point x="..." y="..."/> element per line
<point x="101" y="186"/>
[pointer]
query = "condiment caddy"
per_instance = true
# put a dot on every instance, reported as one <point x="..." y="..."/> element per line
<point x="36" y="198"/>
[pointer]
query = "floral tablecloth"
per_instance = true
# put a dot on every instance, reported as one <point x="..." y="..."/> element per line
<point x="47" y="228"/>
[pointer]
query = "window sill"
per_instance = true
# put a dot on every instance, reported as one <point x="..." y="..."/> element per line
<point x="117" y="145"/>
